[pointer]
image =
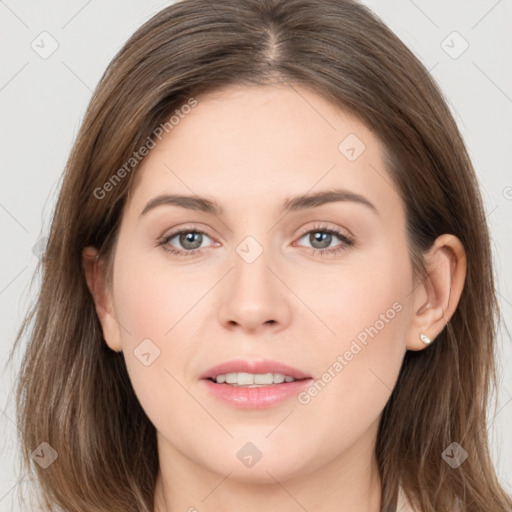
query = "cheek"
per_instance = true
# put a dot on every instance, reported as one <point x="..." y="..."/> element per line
<point x="148" y="307"/>
<point x="161" y="307"/>
<point x="154" y="298"/>
<point x="364" y="300"/>
<point x="366" y="309"/>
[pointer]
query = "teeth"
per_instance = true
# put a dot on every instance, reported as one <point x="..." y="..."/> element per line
<point x="252" y="379"/>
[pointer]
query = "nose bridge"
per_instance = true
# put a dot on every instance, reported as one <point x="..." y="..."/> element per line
<point x="253" y="248"/>
<point x="253" y="295"/>
<point x="252" y="277"/>
<point x="250" y="249"/>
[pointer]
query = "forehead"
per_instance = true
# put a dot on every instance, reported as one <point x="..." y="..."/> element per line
<point x="245" y="143"/>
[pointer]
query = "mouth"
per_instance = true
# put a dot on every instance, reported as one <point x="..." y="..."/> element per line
<point x="245" y="372"/>
<point x="254" y="385"/>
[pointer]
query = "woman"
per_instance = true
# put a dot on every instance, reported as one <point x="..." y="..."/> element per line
<point x="267" y="366"/>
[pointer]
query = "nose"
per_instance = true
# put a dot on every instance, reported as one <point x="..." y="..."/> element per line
<point x="254" y="296"/>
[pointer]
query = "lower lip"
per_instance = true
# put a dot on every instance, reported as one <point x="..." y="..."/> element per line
<point x="257" y="397"/>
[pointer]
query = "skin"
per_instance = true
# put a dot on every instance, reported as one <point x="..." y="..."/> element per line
<point x="250" y="149"/>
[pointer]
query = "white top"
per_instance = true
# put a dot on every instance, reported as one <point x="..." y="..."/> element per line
<point x="403" y="504"/>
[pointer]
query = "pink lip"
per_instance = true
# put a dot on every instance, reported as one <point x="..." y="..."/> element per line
<point x="256" y="397"/>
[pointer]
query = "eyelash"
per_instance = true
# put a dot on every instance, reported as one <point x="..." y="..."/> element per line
<point x="347" y="242"/>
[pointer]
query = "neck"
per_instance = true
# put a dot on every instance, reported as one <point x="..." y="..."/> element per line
<point x="347" y="482"/>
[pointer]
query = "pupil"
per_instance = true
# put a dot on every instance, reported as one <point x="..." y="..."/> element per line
<point x="322" y="237"/>
<point x="188" y="238"/>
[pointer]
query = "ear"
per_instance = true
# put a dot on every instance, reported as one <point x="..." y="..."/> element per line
<point x="95" y="276"/>
<point x="436" y="299"/>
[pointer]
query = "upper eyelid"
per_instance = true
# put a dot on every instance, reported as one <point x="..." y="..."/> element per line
<point x="324" y="227"/>
<point x="321" y="225"/>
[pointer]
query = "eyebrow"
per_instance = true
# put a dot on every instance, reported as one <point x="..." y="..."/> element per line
<point x="297" y="203"/>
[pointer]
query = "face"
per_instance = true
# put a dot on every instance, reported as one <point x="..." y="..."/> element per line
<point x="319" y="285"/>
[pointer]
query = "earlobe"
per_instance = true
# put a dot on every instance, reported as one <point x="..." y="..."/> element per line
<point x="437" y="298"/>
<point x="95" y="278"/>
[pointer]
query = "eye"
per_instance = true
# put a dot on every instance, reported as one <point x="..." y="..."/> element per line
<point x="321" y="237"/>
<point x="190" y="240"/>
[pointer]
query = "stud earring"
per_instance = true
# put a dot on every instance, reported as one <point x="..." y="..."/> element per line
<point x="425" y="338"/>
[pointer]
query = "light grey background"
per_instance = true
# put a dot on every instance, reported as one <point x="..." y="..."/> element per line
<point x="43" y="101"/>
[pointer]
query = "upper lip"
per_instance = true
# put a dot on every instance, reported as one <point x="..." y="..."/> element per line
<point x="264" y="366"/>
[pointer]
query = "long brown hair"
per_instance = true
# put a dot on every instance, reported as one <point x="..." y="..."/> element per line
<point x="74" y="393"/>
